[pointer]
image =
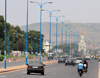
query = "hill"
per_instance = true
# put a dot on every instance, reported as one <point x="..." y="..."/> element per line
<point x="91" y="32"/>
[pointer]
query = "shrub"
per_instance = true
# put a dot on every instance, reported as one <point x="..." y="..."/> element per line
<point x="1" y="57"/>
<point x="8" y="56"/>
<point x="22" y="56"/>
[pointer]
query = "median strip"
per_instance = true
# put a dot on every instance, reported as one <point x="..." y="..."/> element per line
<point x="14" y="68"/>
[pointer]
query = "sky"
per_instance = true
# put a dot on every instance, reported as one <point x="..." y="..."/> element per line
<point x="81" y="11"/>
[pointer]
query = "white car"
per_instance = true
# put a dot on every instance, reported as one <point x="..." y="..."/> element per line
<point x="78" y="60"/>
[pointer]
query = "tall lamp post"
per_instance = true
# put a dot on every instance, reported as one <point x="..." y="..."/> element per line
<point x="26" y="33"/>
<point x="71" y="45"/>
<point x="50" y="14"/>
<point x="5" y="38"/>
<point x="57" y="30"/>
<point x="62" y="22"/>
<point x="41" y="5"/>
<point x="66" y="39"/>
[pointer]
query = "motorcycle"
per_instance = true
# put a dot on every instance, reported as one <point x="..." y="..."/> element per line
<point x="85" y="68"/>
<point x="80" y="72"/>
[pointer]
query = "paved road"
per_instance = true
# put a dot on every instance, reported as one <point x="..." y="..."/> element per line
<point x="10" y="64"/>
<point x="57" y="71"/>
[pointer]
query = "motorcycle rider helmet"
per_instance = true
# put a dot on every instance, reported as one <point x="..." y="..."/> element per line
<point x="80" y="61"/>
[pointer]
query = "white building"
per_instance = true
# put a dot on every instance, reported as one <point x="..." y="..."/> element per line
<point x="15" y="53"/>
<point x="82" y="45"/>
<point x="58" y="50"/>
<point x="19" y="53"/>
<point x="46" y="46"/>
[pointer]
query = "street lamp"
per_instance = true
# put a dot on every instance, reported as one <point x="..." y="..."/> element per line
<point x="50" y="14"/>
<point x="57" y="30"/>
<point x="62" y="22"/>
<point x="5" y="38"/>
<point x="66" y="37"/>
<point x="41" y="5"/>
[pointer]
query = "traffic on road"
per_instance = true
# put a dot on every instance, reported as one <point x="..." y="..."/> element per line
<point x="56" y="70"/>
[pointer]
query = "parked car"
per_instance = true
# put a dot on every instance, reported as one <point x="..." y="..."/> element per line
<point x="35" y="67"/>
<point x="70" y="61"/>
<point x="61" y="60"/>
<point x="78" y="60"/>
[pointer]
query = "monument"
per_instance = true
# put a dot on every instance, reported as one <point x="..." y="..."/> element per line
<point x="82" y="46"/>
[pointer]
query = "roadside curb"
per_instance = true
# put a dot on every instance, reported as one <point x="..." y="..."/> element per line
<point x="14" y="68"/>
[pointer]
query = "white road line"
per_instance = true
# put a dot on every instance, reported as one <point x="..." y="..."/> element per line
<point x="2" y="76"/>
<point x="24" y="72"/>
<point x="41" y="77"/>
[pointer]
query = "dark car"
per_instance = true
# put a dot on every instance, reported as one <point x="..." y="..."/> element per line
<point x="70" y="61"/>
<point x="35" y="67"/>
<point x="61" y="60"/>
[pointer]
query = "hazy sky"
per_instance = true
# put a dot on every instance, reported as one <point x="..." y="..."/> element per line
<point x="83" y="11"/>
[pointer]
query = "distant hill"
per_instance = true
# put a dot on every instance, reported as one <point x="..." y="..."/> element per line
<point x="91" y="32"/>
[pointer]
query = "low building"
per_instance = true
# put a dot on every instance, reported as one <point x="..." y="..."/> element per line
<point x="58" y="50"/>
<point x="46" y="46"/>
<point x="15" y="53"/>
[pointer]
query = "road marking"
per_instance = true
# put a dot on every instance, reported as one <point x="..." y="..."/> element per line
<point x="2" y="76"/>
<point x="41" y="77"/>
<point x="24" y="72"/>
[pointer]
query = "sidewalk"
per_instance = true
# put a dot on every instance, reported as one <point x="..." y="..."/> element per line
<point x="23" y="59"/>
<point x="14" y="68"/>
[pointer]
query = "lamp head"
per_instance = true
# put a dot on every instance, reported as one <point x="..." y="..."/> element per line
<point x="71" y="23"/>
<point x="50" y="2"/>
<point x="42" y="9"/>
<point x="68" y="20"/>
<point x="63" y="15"/>
<point x="31" y="1"/>
<point x="58" y="9"/>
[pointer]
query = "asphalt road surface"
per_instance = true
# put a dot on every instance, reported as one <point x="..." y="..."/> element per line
<point x="16" y="63"/>
<point x="57" y="71"/>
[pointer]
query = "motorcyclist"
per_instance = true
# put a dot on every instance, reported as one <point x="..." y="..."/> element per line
<point x="80" y="66"/>
<point x="85" y="62"/>
<point x="99" y="59"/>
